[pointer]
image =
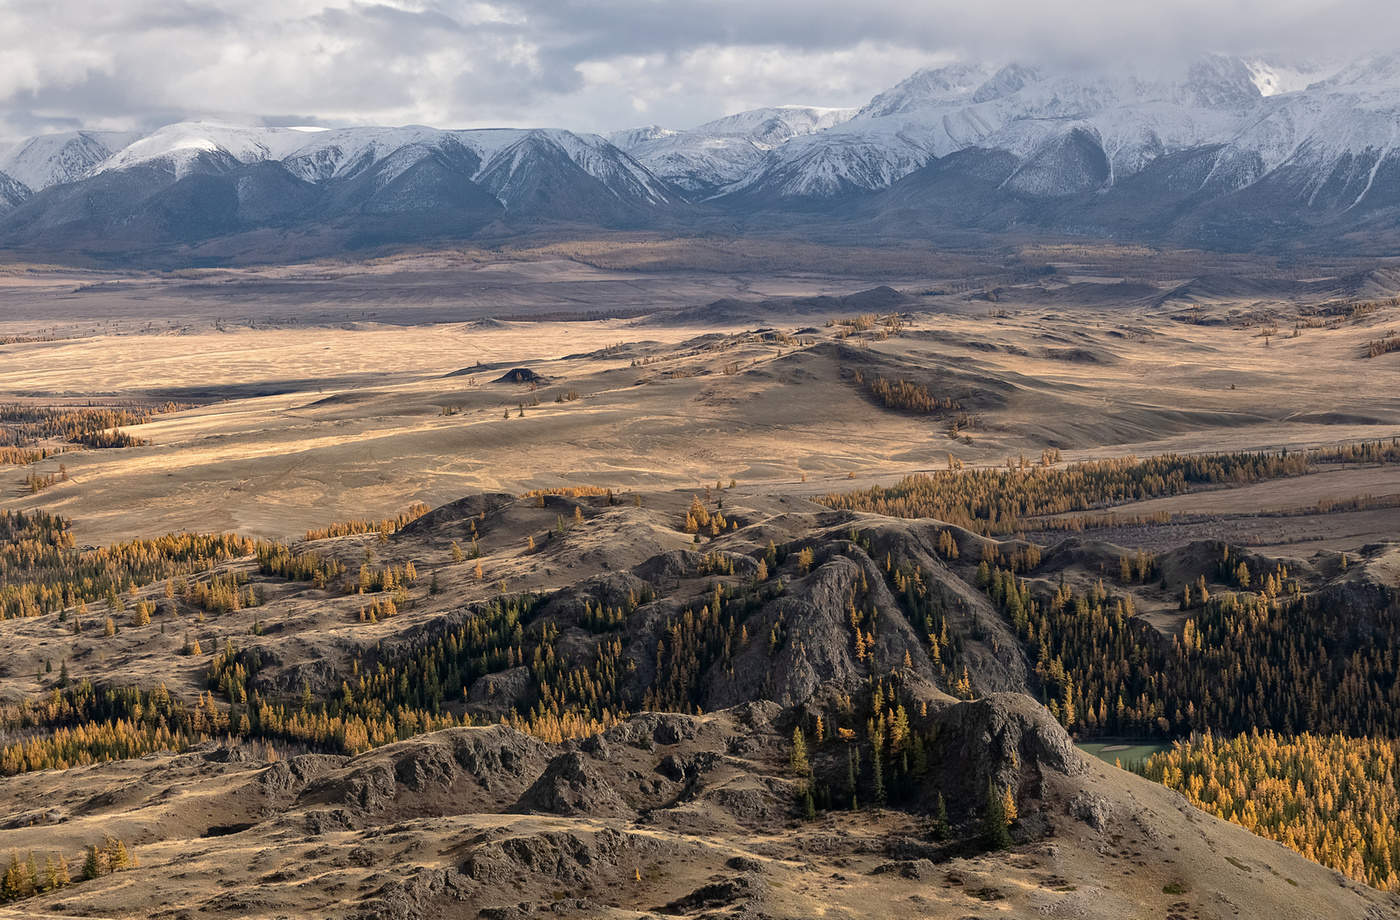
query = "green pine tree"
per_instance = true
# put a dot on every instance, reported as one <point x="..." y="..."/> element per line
<point x="939" y="827"/>
<point x="994" y="825"/>
<point x="92" y="865"/>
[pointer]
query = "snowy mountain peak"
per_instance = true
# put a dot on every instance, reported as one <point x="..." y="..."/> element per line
<point x="343" y="152"/>
<point x="12" y="192"/>
<point x="1264" y="113"/>
<point x="326" y="155"/>
<point x="629" y="138"/>
<point x="722" y="152"/>
<point x="1273" y="77"/>
<point x="928" y="88"/>
<point x="1215" y="81"/>
<point x="771" y="126"/>
<point x="1010" y="79"/>
<point x="1303" y="135"/>
<point x="50" y="159"/>
<point x="180" y="145"/>
<point x="1380" y="73"/>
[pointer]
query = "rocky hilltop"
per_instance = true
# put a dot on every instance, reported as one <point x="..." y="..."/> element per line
<point x="694" y="705"/>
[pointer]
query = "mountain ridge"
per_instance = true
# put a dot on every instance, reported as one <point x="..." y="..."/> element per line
<point x="1228" y="153"/>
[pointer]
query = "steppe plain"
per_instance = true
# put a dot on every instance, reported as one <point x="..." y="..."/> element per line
<point x="294" y="397"/>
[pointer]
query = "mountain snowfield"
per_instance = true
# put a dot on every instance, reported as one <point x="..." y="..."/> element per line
<point x="317" y="155"/>
<point x="1242" y="136"/>
<point x="311" y="154"/>
<point x="1269" y="113"/>
<point x="723" y="152"/>
<point x="1026" y="111"/>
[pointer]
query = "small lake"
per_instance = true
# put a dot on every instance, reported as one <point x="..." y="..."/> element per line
<point x="1131" y="752"/>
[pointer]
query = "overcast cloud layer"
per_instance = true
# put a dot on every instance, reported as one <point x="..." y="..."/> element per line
<point x="592" y="65"/>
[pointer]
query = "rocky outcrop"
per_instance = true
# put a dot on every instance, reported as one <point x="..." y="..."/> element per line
<point x="501" y="690"/>
<point x="568" y="857"/>
<point x="741" y="893"/>
<point x="1006" y="739"/>
<point x="452" y="514"/>
<point x="448" y="772"/>
<point x="817" y="652"/>
<point x="289" y="777"/>
<point x="573" y="785"/>
<point x="990" y="651"/>
<point x="520" y="375"/>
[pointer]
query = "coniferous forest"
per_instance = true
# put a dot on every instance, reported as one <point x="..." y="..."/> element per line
<point x="1284" y="697"/>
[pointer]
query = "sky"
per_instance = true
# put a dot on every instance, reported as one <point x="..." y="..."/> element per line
<point x="599" y="65"/>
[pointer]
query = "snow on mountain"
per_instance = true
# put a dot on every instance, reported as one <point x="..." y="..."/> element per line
<point x="724" y="151"/>
<point x="180" y="146"/>
<point x="631" y="138"/>
<point x="1273" y="77"/>
<point x="616" y="170"/>
<point x="1297" y="135"/>
<point x="931" y="87"/>
<point x="1350" y="118"/>
<point x="929" y="114"/>
<point x="343" y="153"/>
<point x="1254" y="109"/>
<point x="771" y="126"/>
<point x="1016" y="108"/>
<point x="613" y="167"/>
<point x="49" y="159"/>
<point x="1262" y="113"/>
<point x="831" y="164"/>
<point x="1320" y="122"/>
<point x="1380" y="74"/>
<point x="12" y="192"/>
<point x="1135" y="121"/>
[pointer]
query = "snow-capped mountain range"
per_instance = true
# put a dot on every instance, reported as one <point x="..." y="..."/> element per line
<point x="312" y="154"/>
<point x="1227" y="141"/>
<point x="723" y="152"/>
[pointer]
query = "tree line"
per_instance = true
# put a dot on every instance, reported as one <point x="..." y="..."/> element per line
<point x="42" y="571"/>
<point x="1331" y="797"/>
<point x="905" y="395"/>
<point x="24" y="878"/>
<point x="999" y="501"/>
<point x="1269" y="658"/>
<point x="383" y="527"/>
<point x="24" y="426"/>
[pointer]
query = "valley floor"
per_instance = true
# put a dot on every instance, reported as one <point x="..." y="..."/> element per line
<point x="621" y="494"/>
<point x="294" y="422"/>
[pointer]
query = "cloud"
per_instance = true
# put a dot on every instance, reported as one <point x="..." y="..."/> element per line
<point x="595" y="65"/>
